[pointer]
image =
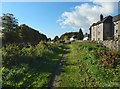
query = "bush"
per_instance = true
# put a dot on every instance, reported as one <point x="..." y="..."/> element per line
<point x="30" y="66"/>
<point x="109" y="59"/>
<point x="10" y="54"/>
<point x="13" y="55"/>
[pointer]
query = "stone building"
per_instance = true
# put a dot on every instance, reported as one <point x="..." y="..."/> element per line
<point x="107" y="30"/>
<point x="102" y="30"/>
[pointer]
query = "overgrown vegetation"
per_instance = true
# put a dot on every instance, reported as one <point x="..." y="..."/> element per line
<point x="29" y="67"/>
<point x="87" y="64"/>
<point x="83" y="67"/>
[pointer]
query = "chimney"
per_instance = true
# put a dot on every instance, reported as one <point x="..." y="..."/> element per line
<point x="101" y="17"/>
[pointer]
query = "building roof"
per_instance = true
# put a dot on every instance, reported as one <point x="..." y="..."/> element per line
<point x="116" y="18"/>
<point x="104" y="19"/>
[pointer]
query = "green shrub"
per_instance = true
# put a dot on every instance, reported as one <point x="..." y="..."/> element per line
<point x="29" y="66"/>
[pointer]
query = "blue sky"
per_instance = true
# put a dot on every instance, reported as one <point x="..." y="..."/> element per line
<point x="51" y="18"/>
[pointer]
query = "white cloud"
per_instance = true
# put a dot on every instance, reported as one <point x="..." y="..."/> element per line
<point x="86" y="14"/>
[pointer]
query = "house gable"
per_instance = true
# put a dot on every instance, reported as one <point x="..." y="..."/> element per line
<point x="99" y="29"/>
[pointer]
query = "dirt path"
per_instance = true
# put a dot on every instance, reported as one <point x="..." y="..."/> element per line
<point x="56" y="72"/>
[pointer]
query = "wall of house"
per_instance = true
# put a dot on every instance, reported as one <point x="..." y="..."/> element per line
<point x="100" y="32"/>
<point x="119" y="35"/>
<point x="119" y="27"/>
<point x="116" y="29"/>
<point x="108" y="31"/>
<point x="117" y="32"/>
<point x="93" y="33"/>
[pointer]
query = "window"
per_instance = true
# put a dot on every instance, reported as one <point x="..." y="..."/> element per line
<point x="98" y="33"/>
<point x="98" y="39"/>
<point x="116" y="31"/>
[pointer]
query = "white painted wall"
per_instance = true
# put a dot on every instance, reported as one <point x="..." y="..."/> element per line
<point x="97" y="32"/>
<point x="100" y="32"/>
<point x="93" y="33"/>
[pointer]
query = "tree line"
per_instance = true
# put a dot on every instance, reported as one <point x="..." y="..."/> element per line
<point x="66" y="36"/>
<point x="13" y="33"/>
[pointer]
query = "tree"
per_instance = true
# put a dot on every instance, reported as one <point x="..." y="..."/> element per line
<point x="49" y="39"/>
<point x="66" y="38"/>
<point x="56" y="38"/>
<point x="33" y="37"/>
<point x="9" y="22"/>
<point x="80" y="35"/>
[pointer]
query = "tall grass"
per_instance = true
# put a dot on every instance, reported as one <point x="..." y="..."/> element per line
<point x="29" y="67"/>
<point x="83" y="67"/>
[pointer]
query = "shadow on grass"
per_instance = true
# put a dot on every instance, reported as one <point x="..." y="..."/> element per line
<point x="35" y="67"/>
<point x="57" y="70"/>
